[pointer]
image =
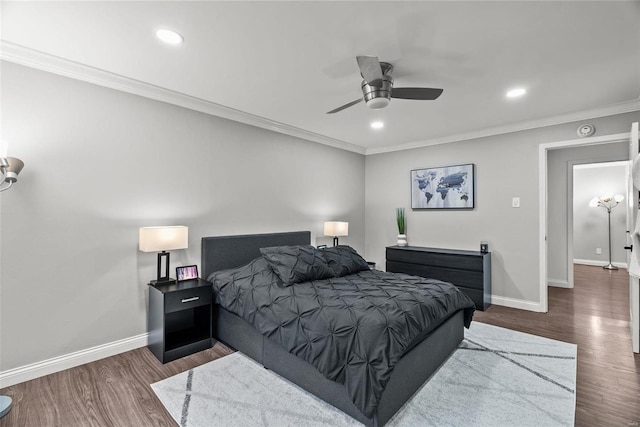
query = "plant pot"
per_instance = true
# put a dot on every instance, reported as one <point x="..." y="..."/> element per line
<point x="402" y="240"/>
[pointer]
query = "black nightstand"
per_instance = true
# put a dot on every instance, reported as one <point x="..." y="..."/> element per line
<point x="179" y="318"/>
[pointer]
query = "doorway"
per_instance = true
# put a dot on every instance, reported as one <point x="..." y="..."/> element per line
<point x="545" y="155"/>
<point x="598" y="218"/>
<point x="553" y="202"/>
<point x="559" y="206"/>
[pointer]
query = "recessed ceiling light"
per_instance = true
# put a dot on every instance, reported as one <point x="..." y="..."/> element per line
<point x="169" y="36"/>
<point x="515" y="93"/>
<point x="377" y="125"/>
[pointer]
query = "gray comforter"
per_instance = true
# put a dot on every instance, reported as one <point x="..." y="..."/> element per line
<point x="353" y="329"/>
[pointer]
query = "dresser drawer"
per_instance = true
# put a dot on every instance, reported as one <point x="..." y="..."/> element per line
<point x="445" y="260"/>
<point x="470" y="271"/>
<point x="477" y="296"/>
<point x="188" y="298"/>
<point x="466" y="278"/>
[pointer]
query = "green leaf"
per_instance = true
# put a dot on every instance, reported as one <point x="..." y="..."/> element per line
<point x="401" y="220"/>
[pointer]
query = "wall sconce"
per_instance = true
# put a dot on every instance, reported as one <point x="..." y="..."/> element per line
<point x="335" y="229"/>
<point x="161" y="240"/>
<point x="10" y="167"/>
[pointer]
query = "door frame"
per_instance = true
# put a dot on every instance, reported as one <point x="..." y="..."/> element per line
<point x="542" y="195"/>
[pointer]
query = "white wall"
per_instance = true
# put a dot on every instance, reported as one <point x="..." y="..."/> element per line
<point x="590" y="229"/>
<point x="99" y="164"/>
<point x="506" y="167"/>
<point x="559" y="170"/>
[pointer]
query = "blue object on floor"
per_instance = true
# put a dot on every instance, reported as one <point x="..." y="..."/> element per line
<point x="5" y="405"/>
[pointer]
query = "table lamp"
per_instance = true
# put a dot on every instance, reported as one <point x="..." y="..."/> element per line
<point x="336" y="229"/>
<point x="161" y="240"/>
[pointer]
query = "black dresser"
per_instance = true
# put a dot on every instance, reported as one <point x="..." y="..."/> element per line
<point x="470" y="271"/>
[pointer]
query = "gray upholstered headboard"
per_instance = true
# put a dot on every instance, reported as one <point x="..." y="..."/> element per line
<point x="223" y="252"/>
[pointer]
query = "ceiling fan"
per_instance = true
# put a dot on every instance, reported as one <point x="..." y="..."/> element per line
<point x="377" y="86"/>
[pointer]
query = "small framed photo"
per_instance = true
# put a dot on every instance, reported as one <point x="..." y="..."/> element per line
<point x="448" y="187"/>
<point x="188" y="272"/>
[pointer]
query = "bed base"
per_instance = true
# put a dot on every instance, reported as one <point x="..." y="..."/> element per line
<point x="411" y="372"/>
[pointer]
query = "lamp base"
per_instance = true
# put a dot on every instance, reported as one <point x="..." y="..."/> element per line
<point x="610" y="267"/>
<point x="5" y="405"/>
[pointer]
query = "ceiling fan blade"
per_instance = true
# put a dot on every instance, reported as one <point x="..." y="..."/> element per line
<point x="420" y="93"/>
<point x="370" y="69"/>
<point x="350" y="104"/>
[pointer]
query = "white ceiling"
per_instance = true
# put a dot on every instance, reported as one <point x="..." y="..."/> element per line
<point x="283" y="65"/>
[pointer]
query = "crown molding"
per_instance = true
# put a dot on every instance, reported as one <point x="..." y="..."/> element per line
<point x="621" y="108"/>
<point x="42" y="61"/>
<point x="53" y="64"/>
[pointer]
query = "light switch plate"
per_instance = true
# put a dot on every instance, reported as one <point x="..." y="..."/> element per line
<point x="515" y="202"/>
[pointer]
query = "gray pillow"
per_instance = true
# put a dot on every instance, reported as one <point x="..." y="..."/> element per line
<point x="297" y="264"/>
<point x="344" y="260"/>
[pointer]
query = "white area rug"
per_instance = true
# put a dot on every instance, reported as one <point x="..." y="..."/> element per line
<point x="496" y="377"/>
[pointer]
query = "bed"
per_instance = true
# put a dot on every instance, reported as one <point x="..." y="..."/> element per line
<point x="408" y="374"/>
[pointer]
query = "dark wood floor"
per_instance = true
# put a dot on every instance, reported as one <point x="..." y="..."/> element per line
<point x="595" y="315"/>
<point x="113" y="391"/>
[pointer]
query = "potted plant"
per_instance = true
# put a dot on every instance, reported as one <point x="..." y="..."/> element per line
<point x="402" y="227"/>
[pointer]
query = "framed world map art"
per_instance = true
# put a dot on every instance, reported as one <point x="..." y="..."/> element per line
<point x="448" y="187"/>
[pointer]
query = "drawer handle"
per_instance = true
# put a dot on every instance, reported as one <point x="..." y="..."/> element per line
<point x="190" y="299"/>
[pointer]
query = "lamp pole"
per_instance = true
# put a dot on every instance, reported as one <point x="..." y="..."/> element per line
<point x="610" y="266"/>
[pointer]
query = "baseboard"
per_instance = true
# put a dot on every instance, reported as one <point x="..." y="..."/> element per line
<point x="558" y="283"/>
<point x="60" y="363"/>
<point x="599" y="263"/>
<point x="516" y="303"/>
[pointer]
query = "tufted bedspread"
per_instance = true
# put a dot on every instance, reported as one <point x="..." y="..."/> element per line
<point x="353" y="329"/>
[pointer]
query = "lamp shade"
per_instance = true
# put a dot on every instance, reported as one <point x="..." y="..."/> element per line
<point x="15" y="165"/>
<point x="155" y="239"/>
<point x="10" y="168"/>
<point x="336" y="228"/>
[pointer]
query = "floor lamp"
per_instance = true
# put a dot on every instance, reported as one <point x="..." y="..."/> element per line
<point x="607" y="202"/>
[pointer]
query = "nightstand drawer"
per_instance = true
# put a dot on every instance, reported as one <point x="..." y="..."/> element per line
<point x="188" y="298"/>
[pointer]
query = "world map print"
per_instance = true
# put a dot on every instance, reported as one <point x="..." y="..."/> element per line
<point x="450" y="187"/>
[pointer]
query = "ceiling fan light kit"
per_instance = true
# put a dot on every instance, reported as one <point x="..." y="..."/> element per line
<point x="377" y="86"/>
<point x="378" y="97"/>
